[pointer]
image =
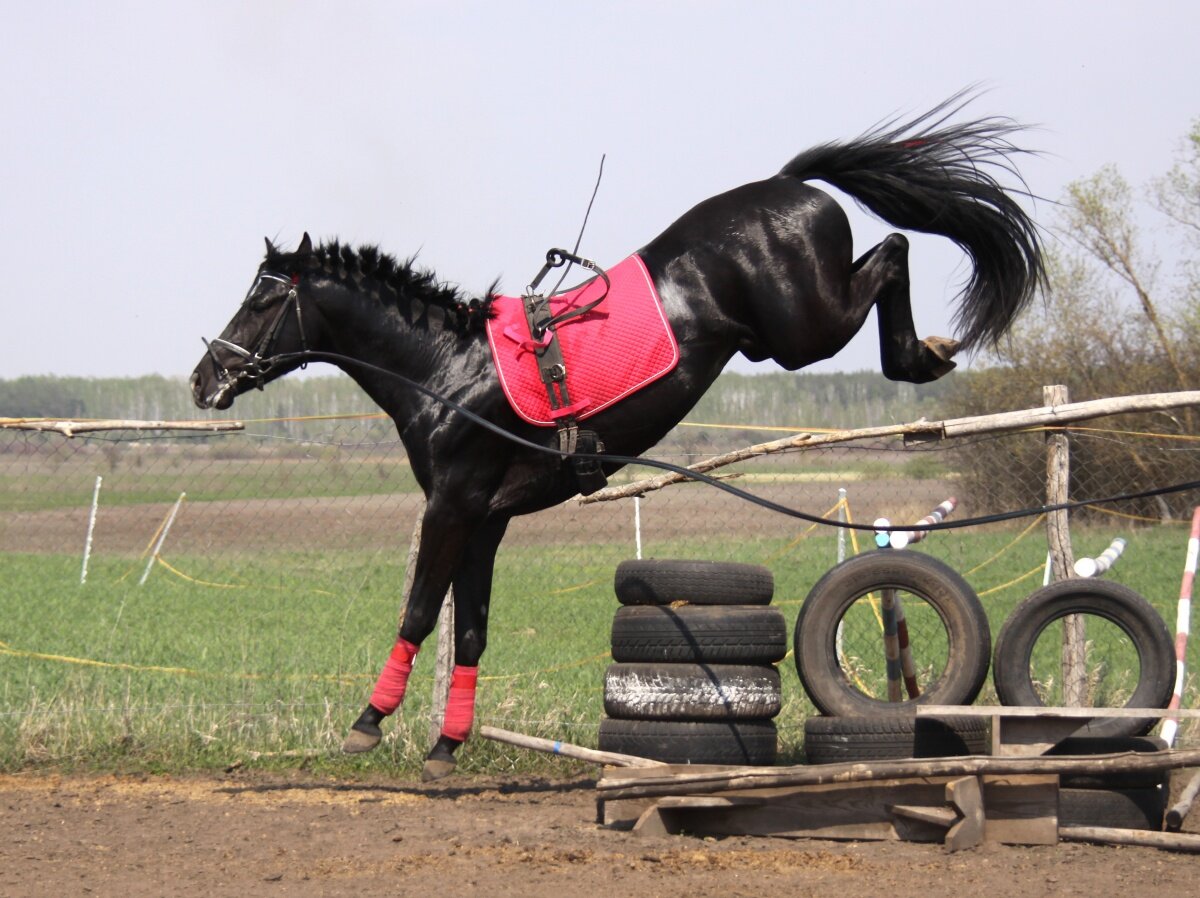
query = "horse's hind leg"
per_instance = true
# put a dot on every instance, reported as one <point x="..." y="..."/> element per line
<point x="830" y="300"/>
<point x="881" y="277"/>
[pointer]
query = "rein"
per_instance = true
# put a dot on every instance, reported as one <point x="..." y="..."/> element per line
<point x="724" y="486"/>
<point x="260" y="361"/>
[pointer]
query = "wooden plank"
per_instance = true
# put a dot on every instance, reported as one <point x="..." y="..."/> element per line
<point x="616" y="786"/>
<point x="663" y="817"/>
<point x="661" y="769"/>
<point x="654" y="823"/>
<point x="1021" y="810"/>
<point x="966" y="796"/>
<point x="1046" y="711"/>
<point x="1015" y="810"/>
<point x="1178" y="812"/>
<point x="1027" y="731"/>
<point x="567" y="750"/>
<point x="71" y="428"/>
<point x="1107" y="835"/>
<point x="688" y="802"/>
<point x="1025" y="736"/>
<point x="844" y="811"/>
<point x="938" y="816"/>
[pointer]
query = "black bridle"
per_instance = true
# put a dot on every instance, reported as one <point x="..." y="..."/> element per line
<point x="259" y="360"/>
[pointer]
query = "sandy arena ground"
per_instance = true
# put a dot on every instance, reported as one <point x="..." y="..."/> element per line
<point x="250" y="834"/>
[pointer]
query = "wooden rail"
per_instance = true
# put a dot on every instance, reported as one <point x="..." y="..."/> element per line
<point x="72" y="428"/>
<point x="1046" y="416"/>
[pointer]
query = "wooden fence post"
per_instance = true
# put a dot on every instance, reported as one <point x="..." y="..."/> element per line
<point x="445" y="667"/>
<point x="1062" y="559"/>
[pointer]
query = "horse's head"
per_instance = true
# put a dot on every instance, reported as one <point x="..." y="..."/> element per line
<point x="262" y="340"/>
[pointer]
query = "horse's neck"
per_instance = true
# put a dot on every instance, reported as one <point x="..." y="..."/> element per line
<point x="398" y="349"/>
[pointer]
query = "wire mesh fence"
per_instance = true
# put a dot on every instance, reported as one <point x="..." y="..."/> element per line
<point x="256" y="622"/>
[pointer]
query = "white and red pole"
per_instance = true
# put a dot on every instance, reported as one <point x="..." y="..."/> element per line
<point x="1094" y="567"/>
<point x="901" y="538"/>
<point x="1183" y="622"/>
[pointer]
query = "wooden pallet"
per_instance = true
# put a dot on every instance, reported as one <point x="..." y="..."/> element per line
<point x="1010" y="798"/>
<point x="959" y="811"/>
<point x="1033" y="731"/>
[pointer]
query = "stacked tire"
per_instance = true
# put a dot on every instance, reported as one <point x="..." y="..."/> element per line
<point x="858" y="726"/>
<point x="1120" y="799"/>
<point x="694" y="646"/>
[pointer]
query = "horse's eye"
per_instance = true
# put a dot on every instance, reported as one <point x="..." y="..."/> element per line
<point x="262" y="301"/>
<point x="263" y="294"/>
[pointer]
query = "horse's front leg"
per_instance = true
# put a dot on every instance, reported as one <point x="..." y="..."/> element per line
<point x="472" y="594"/>
<point x="444" y="537"/>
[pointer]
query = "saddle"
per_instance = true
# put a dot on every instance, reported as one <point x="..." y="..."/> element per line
<point x="565" y="357"/>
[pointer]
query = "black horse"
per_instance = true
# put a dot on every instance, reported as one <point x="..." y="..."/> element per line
<point x="765" y="269"/>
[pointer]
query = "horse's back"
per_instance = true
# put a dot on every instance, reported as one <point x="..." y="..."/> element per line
<point x="782" y="211"/>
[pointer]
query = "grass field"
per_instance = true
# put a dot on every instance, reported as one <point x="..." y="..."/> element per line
<point x="271" y="662"/>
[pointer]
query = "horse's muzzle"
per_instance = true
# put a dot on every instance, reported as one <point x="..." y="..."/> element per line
<point x="221" y="396"/>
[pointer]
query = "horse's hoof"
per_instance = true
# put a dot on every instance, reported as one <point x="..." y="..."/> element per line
<point x="361" y="738"/>
<point x="943" y="349"/>
<point x="437" y="768"/>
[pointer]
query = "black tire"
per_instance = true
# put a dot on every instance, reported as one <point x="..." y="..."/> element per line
<point x="663" y="581"/>
<point x="691" y="692"/>
<point x="831" y="740"/>
<point x="941" y="595"/>
<point x="1118" y="779"/>
<point x="1119" y="808"/>
<point x="699" y="635"/>
<point x="1121" y="606"/>
<point x="677" y="742"/>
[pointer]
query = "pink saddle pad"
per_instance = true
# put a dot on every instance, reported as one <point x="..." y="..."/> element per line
<point x="611" y="352"/>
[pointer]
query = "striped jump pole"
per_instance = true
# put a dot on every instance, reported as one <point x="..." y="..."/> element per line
<point x="891" y="643"/>
<point x="1183" y="622"/>
<point x="1094" y="567"/>
<point x="897" y="648"/>
<point x="908" y="667"/>
<point x="901" y="538"/>
<point x="891" y="614"/>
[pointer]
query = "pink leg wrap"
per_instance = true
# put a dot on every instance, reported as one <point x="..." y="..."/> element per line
<point x="393" y="680"/>
<point x="460" y="706"/>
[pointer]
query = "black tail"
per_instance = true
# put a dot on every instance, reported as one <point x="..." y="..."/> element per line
<point x="930" y="176"/>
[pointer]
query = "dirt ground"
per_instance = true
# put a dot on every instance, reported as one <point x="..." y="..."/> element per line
<point x="385" y="522"/>
<point x="254" y="834"/>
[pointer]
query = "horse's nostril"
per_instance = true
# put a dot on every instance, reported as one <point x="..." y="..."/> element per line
<point x="198" y="396"/>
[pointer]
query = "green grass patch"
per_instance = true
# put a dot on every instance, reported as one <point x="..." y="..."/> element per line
<point x="274" y="663"/>
<point x="42" y="485"/>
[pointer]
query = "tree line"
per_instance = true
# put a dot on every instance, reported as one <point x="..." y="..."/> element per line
<point x="1121" y="315"/>
<point x="778" y="399"/>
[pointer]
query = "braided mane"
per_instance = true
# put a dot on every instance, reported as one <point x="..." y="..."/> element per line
<point x="393" y="281"/>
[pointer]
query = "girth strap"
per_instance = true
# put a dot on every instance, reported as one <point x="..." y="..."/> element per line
<point x="545" y="346"/>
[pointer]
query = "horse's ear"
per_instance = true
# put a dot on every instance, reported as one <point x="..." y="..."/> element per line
<point x="305" y="248"/>
<point x="270" y="245"/>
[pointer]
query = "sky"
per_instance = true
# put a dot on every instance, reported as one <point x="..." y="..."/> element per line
<point x="148" y="147"/>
